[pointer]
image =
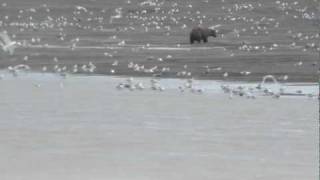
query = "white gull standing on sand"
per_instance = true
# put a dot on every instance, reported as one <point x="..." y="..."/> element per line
<point x="117" y="16"/>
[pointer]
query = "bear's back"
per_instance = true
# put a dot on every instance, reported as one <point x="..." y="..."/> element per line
<point x="200" y="31"/>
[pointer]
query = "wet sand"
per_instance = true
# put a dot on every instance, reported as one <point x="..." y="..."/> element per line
<point x="278" y="31"/>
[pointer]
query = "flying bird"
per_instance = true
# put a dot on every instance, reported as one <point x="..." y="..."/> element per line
<point x="6" y="43"/>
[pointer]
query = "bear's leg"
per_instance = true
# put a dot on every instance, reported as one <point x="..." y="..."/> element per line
<point x="205" y="40"/>
<point x="191" y="40"/>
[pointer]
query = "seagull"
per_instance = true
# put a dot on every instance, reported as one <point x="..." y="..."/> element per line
<point x="44" y="68"/>
<point x="298" y="63"/>
<point x="117" y="16"/>
<point x="115" y="63"/>
<point x="225" y="74"/>
<point x="139" y="86"/>
<point x="81" y="8"/>
<point x="15" y="69"/>
<point x="215" y="26"/>
<point x="6" y="43"/>
<point x="245" y="73"/>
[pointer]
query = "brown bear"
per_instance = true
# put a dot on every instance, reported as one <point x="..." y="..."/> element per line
<point x="201" y="33"/>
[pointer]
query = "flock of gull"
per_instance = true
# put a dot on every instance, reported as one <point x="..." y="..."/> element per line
<point x="246" y="91"/>
<point x="158" y="16"/>
<point x="189" y="86"/>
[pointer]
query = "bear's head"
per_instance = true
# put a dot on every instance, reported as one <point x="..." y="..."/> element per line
<point x="213" y="33"/>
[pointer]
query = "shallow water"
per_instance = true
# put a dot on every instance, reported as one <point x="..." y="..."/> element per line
<point x="82" y="127"/>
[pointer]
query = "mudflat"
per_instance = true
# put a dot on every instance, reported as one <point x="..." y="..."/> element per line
<point x="260" y="37"/>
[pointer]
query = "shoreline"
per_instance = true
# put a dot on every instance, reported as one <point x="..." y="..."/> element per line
<point x="201" y="63"/>
<point x="288" y="89"/>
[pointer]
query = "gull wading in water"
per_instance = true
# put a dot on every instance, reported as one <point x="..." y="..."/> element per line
<point x="6" y="43"/>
